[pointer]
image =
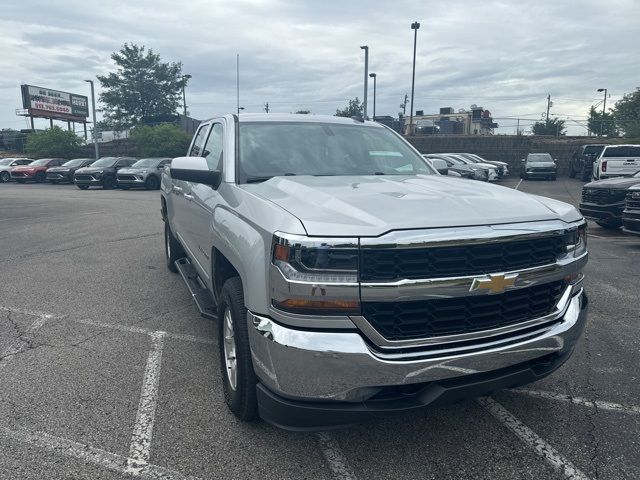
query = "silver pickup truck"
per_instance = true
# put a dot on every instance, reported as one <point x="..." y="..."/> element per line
<point x="350" y="280"/>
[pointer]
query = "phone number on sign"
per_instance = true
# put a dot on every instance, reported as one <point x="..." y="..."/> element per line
<point x="51" y="108"/>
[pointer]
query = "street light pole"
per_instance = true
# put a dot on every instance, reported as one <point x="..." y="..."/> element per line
<point x="604" y="107"/>
<point x="95" y="124"/>
<point x="374" y="76"/>
<point x="414" y="26"/>
<point x="366" y="79"/>
<point x="185" y="78"/>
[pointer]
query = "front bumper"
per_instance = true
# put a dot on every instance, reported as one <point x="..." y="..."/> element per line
<point x="93" y="181"/>
<point x="314" y="379"/>
<point x="631" y="221"/>
<point x="595" y="211"/>
<point x="131" y="180"/>
<point x="540" y="174"/>
<point x="23" y="175"/>
<point x="59" y="177"/>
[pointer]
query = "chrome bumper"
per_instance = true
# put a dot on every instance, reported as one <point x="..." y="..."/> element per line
<point x="341" y="366"/>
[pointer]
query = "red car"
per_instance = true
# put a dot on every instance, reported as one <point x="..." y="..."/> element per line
<point x="36" y="171"/>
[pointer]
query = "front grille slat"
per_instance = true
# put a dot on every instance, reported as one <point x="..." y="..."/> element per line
<point x="389" y="264"/>
<point x="451" y="316"/>
<point x="602" y="196"/>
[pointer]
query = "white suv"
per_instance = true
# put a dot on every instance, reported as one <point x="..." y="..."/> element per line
<point x="617" y="161"/>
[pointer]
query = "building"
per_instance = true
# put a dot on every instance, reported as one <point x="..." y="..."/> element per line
<point x="475" y="121"/>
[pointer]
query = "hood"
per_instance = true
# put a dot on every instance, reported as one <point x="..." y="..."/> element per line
<point x="485" y="165"/>
<point x="540" y="164"/>
<point x="373" y="205"/>
<point x="60" y="169"/>
<point x="27" y="168"/>
<point x="621" y="183"/>
<point x="93" y="169"/>
<point x="133" y="170"/>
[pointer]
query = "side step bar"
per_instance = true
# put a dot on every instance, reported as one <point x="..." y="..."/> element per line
<point x="201" y="295"/>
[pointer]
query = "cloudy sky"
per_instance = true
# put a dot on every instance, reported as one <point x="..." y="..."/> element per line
<point x="503" y="55"/>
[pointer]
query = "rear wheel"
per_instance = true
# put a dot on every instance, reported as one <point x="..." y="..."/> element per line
<point x="5" y="177"/>
<point x="612" y="224"/>
<point x="239" y="379"/>
<point x="172" y="248"/>
<point x="82" y="187"/>
<point x="584" y="174"/>
<point x="152" y="183"/>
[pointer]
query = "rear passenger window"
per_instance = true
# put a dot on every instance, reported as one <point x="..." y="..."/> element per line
<point x="196" y="149"/>
<point x="616" y="152"/>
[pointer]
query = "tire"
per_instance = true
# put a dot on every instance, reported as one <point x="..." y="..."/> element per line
<point x="233" y="341"/>
<point x="152" y="183"/>
<point x="108" y="183"/>
<point x="572" y="172"/>
<point x="5" y="177"/>
<point x="83" y="187"/>
<point x="40" y="177"/>
<point x="172" y="248"/>
<point x="613" y="224"/>
<point x="584" y="175"/>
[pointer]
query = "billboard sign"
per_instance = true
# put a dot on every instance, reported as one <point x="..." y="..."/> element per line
<point x="54" y="103"/>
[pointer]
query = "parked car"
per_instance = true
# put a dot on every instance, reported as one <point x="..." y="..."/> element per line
<point x="581" y="163"/>
<point x="604" y="200"/>
<point x="441" y="166"/>
<point x="539" y="165"/>
<point x="144" y="173"/>
<point x="617" y="161"/>
<point x="35" y="171"/>
<point x="502" y="167"/>
<point x="631" y="213"/>
<point x="459" y="167"/>
<point x="7" y="164"/>
<point x="102" y="172"/>
<point x="345" y="288"/>
<point x="64" y="173"/>
<point x="491" y="170"/>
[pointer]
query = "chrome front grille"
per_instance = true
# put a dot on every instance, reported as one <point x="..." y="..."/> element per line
<point x="602" y="196"/>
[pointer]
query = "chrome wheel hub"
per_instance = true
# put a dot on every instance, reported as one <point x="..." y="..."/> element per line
<point x="230" y="349"/>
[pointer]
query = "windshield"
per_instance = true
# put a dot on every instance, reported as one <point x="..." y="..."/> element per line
<point x="270" y="149"/>
<point x="104" y="162"/>
<point x="76" y="162"/>
<point x="147" y="162"/>
<point x="622" y="151"/>
<point x="6" y="161"/>
<point x="539" y="157"/>
<point x="42" y="161"/>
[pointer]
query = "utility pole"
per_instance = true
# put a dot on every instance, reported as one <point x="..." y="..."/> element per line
<point x="185" y="78"/>
<point x="95" y="124"/>
<point x="266" y="107"/>
<point x="414" y="26"/>
<point x="374" y="76"/>
<point x="548" y="107"/>
<point x="366" y="79"/>
<point x="238" y="82"/>
<point x="518" y="128"/>
<point x="403" y="105"/>
<point x="604" y="108"/>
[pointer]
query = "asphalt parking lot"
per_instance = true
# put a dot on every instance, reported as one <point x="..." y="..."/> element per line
<point x="107" y="370"/>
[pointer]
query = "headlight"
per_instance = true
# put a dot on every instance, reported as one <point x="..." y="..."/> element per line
<point x="578" y="241"/>
<point x="315" y="275"/>
<point x="635" y="195"/>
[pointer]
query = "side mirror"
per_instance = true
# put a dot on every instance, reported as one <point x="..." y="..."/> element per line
<point x="440" y="165"/>
<point x="523" y="160"/>
<point x="194" y="169"/>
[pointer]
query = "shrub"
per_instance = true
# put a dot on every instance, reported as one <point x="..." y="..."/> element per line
<point x="54" y="142"/>
<point x="160" y="141"/>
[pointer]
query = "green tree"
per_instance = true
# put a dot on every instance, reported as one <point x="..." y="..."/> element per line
<point x="626" y="114"/>
<point x="602" y="123"/>
<point x="554" y="126"/>
<point x="142" y="90"/>
<point x="354" y="109"/>
<point x="54" y="142"/>
<point x="166" y="140"/>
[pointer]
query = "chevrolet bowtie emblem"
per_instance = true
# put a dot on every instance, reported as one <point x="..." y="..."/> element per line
<point x="497" y="283"/>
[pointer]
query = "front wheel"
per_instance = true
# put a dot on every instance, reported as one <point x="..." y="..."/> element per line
<point x="239" y="379"/>
<point x="5" y="177"/>
<point x="172" y="248"/>
<point x="152" y="183"/>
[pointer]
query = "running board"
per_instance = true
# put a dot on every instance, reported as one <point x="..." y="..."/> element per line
<point x="201" y="295"/>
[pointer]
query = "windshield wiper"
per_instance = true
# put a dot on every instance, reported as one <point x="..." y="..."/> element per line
<point x="265" y="178"/>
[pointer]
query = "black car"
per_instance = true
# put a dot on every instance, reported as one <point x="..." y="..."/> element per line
<point x="631" y="213"/>
<point x="603" y="200"/>
<point x="102" y="172"/>
<point x="581" y="164"/>
<point x="64" y="173"/>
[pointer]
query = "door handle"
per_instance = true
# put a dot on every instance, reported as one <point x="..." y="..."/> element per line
<point x="177" y="190"/>
<point x="187" y="196"/>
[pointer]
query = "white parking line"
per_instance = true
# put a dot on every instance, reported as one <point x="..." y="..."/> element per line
<point x="335" y="458"/>
<point x="516" y="187"/>
<point x="614" y="407"/>
<point x="88" y="454"/>
<point x="143" y="430"/>
<point x="532" y="439"/>
<point x="23" y="340"/>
